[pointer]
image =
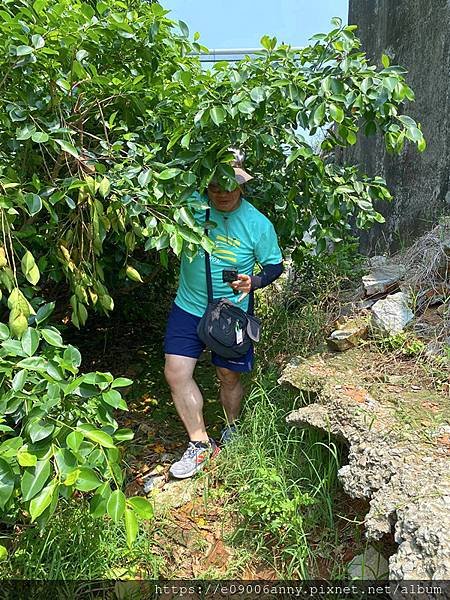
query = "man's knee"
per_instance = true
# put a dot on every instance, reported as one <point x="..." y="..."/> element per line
<point x="227" y="378"/>
<point x="178" y="370"/>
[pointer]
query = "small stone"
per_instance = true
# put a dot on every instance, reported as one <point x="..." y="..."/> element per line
<point x="369" y="565"/>
<point x="443" y="309"/>
<point x="435" y="349"/>
<point x="152" y="482"/>
<point x="377" y="261"/>
<point x="166" y="457"/>
<point x="348" y="335"/>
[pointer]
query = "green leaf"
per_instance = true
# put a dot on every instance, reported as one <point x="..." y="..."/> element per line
<point x="217" y="114"/>
<point x="19" y="380"/>
<point x="184" y="28"/>
<point x="187" y="217"/>
<point x="258" y="94"/>
<point x="72" y="356"/>
<point x="52" y="336"/>
<point x="42" y="501"/>
<point x="97" y="505"/>
<point x="169" y="174"/>
<point x="141" y="506"/>
<point x="414" y="134"/>
<point x="37" y="41"/>
<point x="81" y="55"/>
<point x="3" y="553"/>
<point x="34" y="203"/>
<point x="131" y="526"/>
<point x="4" y="332"/>
<point x="385" y="60"/>
<point x="25" y="458"/>
<point x="116" y="505"/>
<point x="124" y="434"/>
<point x="370" y="128"/>
<point x="104" y="188"/>
<point x="29" y="268"/>
<point x="95" y="435"/>
<point x="351" y="137"/>
<point x="25" y="133"/>
<point x="72" y="477"/>
<point x="121" y="382"/>
<point x="6" y="483"/>
<point x="337" y="114"/>
<point x="268" y="43"/>
<point x="23" y="50"/>
<point x="176" y="243"/>
<point x="30" y="341"/>
<point x="87" y="480"/>
<point x="246" y="107"/>
<point x="68" y="147"/>
<point x="40" y="429"/>
<point x="186" y="140"/>
<point x="74" y="440"/>
<point x="40" y="137"/>
<point x="65" y="460"/>
<point x="144" y="177"/>
<point x="33" y="480"/>
<point x="319" y="114"/>
<point x="114" y="399"/>
<point x="44" y="312"/>
<point x="33" y="363"/>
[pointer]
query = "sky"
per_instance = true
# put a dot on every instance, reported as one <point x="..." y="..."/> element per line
<point x="242" y="23"/>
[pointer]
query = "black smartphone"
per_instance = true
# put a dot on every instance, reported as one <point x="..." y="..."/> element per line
<point x="229" y="275"/>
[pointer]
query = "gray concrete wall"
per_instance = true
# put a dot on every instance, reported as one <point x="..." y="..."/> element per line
<point x="416" y="35"/>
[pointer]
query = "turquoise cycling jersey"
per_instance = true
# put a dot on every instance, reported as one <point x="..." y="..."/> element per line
<point x="243" y="238"/>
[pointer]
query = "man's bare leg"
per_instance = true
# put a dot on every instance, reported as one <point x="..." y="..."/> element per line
<point x="231" y="392"/>
<point x="186" y="395"/>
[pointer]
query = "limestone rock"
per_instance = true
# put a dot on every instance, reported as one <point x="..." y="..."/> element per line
<point x="377" y="261"/>
<point x="401" y="466"/>
<point x="382" y="278"/>
<point x="175" y="493"/>
<point x="348" y="335"/>
<point x="391" y="314"/>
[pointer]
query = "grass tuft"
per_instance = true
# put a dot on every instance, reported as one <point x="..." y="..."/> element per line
<point x="283" y="481"/>
<point x="75" y="545"/>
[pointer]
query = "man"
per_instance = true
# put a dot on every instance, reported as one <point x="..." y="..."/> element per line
<point x="243" y="237"/>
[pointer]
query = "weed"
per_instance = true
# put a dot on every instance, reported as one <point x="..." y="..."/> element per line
<point x="75" y="545"/>
<point x="286" y="479"/>
<point x="404" y="342"/>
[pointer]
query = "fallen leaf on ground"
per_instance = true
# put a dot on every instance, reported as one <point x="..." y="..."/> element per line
<point x="219" y="556"/>
<point x="158" y="448"/>
<point x="356" y="394"/>
<point x="444" y="440"/>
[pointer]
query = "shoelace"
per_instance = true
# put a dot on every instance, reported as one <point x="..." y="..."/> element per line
<point x="190" y="452"/>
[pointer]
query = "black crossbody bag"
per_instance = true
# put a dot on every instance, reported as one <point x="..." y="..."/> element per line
<point x="225" y="328"/>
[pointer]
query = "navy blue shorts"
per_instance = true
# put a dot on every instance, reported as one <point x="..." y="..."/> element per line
<point x="181" y="339"/>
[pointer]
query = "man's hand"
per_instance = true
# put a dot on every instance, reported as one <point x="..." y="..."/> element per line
<point x="242" y="284"/>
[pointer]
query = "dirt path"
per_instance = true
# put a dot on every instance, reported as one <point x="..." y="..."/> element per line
<point x="194" y="519"/>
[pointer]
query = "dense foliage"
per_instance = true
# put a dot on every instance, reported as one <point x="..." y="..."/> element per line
<point x="108" y="124"/>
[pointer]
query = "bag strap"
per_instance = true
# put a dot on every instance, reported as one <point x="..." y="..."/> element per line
<point x="208" y="264"/>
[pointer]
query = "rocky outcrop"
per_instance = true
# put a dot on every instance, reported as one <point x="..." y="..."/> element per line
<point x="397" y="430"/>
<point x="416" y="35"/>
